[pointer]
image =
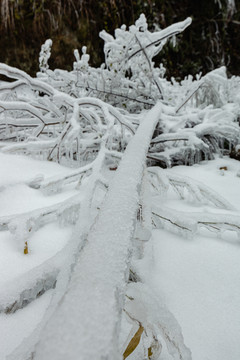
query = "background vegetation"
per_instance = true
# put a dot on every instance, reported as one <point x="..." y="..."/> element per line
<point x="211" y="41"/>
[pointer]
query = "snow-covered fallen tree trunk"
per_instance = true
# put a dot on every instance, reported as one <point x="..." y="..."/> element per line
<point x="86" y="324"/>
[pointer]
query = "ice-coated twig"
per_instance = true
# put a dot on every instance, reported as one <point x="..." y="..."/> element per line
<point x="158" y="180"/>
<point x="143" y="306"/>
<point x="30" y="146"/>
<point x="160" y="36"/>
<point x="107" y="110"/>
<point x="27" y="223"/>
<point x="190" y="96"/>
<point x="11" y="86"/>
<point x="124" y="96"/>
<point x="198" y="191"/>
<point x="182" y="135"/>
<point x="24" y="289"/>
<point x="15" y="73"/>
<point x="151" y="75"/>
<point x="164" y="217"/>
<point x="21" y="106"/>
<point x="190" y="223"/>
<point x="44" y="55"/>
<point x="57" y="182"/>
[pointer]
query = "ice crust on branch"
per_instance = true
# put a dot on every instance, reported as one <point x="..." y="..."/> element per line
<point x="44" y="55"/>
<point x="158" y="322"/>
<point x="187" y="224"/>
<point x="183" y="185"/>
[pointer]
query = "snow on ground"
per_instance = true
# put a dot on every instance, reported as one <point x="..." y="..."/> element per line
<point x="43" y="244"/>
<point x="15" y="172"/>
<point x="224" y="182"/>
<point x="199" y="278"/>
<point x="16" y="197"/>
<point x="18" y="169"/>
<point x="14" y="327"/>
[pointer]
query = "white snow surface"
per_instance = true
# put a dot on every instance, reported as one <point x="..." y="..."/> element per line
<point x="200" y="282"/>
<point x="14" y="327"/>
<point x="17" y="269"/>
<point x="15" y="198"/>
<point x="197" y="279"/>
<point x="43" y="245"/>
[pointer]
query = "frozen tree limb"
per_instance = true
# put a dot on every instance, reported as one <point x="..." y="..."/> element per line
<point x="199" y="191"/>
<point x="186" y="223"/>
<point x="103" y="244"/>
<point x="15" y="73"/>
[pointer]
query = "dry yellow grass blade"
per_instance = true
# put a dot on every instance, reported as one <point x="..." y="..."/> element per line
<point x="25" y="248"/>
<point x="150" y="353"/>
<point x="133" y="342"/>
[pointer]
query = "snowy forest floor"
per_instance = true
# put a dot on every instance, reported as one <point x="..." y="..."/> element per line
<point x="198" y="279"/>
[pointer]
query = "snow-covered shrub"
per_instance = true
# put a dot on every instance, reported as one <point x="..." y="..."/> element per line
<point x="128" y="78"/>
<point x="38" y="119"/>
<point x="63" y="115"/>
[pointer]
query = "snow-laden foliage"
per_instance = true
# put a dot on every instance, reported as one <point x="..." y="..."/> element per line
<point x="42" y="121"/>
<point x="63" y="115"/>
<point x="128" y="78"/>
